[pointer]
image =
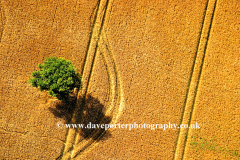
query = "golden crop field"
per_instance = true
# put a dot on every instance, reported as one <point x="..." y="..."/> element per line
<point x="159" y="63"/>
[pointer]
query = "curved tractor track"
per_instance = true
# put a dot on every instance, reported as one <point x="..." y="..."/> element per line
<point x="75" y="144"/>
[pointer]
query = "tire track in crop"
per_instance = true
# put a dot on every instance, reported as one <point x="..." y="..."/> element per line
<point x="115" y="101"/>
<point x="95" y="11"/>
<point x="86" y="74"/>
<point x="2" y="22"/>
<point x="54" y="16"/>
<point x="194" y="79"/>
<point x="75" y="144"/>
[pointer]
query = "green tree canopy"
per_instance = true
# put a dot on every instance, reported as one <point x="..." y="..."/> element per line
<point x="57" y="76"/>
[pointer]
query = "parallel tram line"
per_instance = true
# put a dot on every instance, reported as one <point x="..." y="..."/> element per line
<point x="75" y="144"/>
<point x="195" y="79"/>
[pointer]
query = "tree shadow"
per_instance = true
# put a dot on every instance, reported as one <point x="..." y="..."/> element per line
<point x="64" y="108"/>
<point x="92" y="116"/>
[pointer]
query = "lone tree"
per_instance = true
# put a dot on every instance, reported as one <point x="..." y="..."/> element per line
<point x="57" y="76"/>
